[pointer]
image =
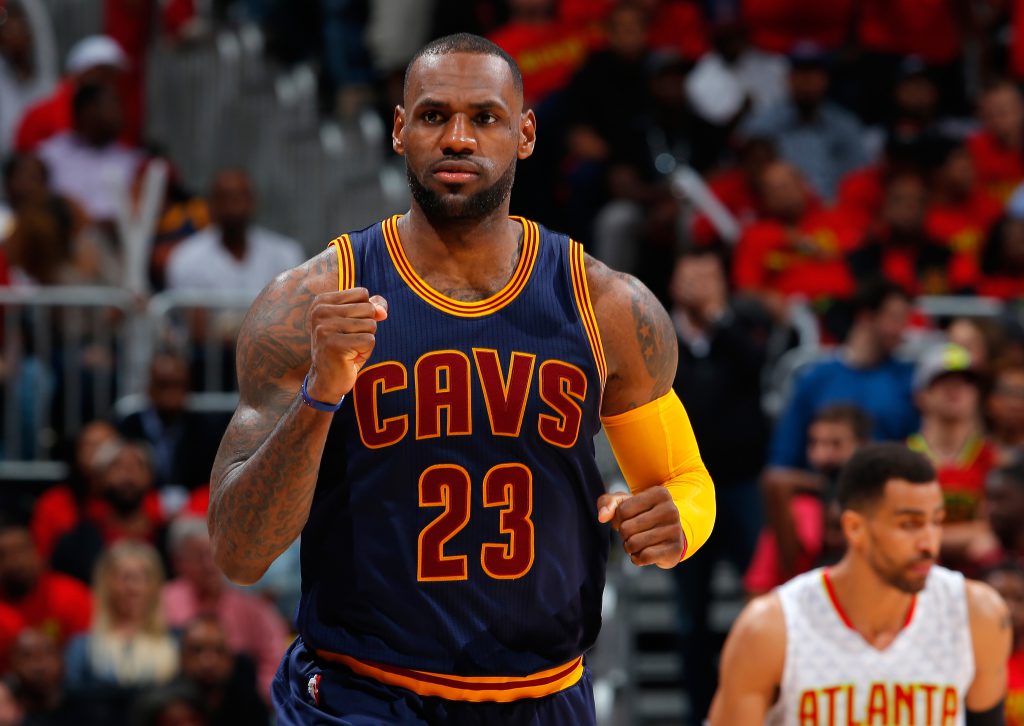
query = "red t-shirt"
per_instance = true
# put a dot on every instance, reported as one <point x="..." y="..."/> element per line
<point x="929" y="29"/>
<point x="963" y="227"/>
<point x="679" y="26"/>
<point x="778" y="25"/>
<point x="60" y="606"/>
<point x="1004" y="287"/>
<point x="809" y="260"/>
<point x="999" y="169"/>
<point x="1017" y="39"/>
<point x="861" y="193"/>
<point x="734" y="191"/>
<point x="962" y="481"/>
<point x="548" y="54"/>
<point x="46" y="118"/>
<point x="1015" y="690"/>
<point x="584" y="12"/>
<point x="56" y="513"/>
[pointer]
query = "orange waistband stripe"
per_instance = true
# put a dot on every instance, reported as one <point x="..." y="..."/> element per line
<point x="465" y="688"/>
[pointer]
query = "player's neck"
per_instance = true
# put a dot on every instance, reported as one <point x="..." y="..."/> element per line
<point x="876" y="609"/>
<point x="478" y="253"/>
<point x="421" y="233"/>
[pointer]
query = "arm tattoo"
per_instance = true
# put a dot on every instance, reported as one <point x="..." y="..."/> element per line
<point x="265" y="472"/>
<point x="654" y="334"/>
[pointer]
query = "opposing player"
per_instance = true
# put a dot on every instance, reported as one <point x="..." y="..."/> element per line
<point x="886" y="637"/>
<point x="419" y="402"/>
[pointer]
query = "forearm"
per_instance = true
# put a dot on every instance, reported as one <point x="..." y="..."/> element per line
<point x="779" y="485"/>
<point x="259" y="504"/>
<point x="654" y="445"/>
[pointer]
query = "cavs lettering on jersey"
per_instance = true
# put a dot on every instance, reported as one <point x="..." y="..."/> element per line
<point x="833" y="677"/>
<point x="453" y="545"/>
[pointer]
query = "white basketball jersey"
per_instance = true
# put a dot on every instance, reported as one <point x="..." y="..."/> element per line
<point x="833" y="677"/>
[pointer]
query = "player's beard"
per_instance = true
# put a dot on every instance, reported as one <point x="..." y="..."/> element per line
<point x="451" y="208"/>
<point x="896" y="574"/>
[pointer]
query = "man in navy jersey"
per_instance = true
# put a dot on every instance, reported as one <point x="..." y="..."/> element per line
<point x="419" y="402"/>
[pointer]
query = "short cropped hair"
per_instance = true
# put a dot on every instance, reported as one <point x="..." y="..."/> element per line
<point x="466" y="43"/>
<point x="862" y="481"/>
<point x="847" y="413"/>
<point x="874" y="292"/>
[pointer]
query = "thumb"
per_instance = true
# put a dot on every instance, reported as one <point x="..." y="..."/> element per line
<point x="607" y="504"/>
<point x="381" y="305"/>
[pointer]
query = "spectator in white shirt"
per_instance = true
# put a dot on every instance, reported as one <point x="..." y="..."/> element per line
<point x="232" y="253"/>
<point x="88" y="163"/>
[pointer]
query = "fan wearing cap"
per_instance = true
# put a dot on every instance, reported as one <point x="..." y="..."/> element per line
<point x="96" y="59"/>
<point x="947" y="392"/>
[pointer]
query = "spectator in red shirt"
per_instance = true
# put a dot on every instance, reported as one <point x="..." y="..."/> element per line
<point x="997" y="148"/>
<point x="947" y="392"/>
<point x="1002" y="259"/>
<point x="95" y="59"/>
<point x="798" y="248"/>
<point x="548" y="52"/>
<point x="778" y="25"/>
<point x="736" y="187"/>
<point x="960" y="214"/>
<point x="127" y="507"/>
<point x="900" y="249"/>
<point x="57" y="510"/>
<point x="56" y="604"/>
<point x="11" y="623"/>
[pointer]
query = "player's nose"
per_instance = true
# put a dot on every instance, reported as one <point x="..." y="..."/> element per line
<point x="458" y="137"/>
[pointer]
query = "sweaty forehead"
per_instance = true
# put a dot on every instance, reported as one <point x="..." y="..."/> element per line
<point x="902" y="495"/>
<point x="454" y="77"/>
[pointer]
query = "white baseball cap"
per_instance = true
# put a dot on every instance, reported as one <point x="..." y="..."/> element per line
<point x="96" y="50"/>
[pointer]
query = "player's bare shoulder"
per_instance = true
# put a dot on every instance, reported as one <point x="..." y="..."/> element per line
<point x="274" y="341"/>
<point x="748" y="686"/>
<point x="989" y="614"/>
<point x="638" y="337"/>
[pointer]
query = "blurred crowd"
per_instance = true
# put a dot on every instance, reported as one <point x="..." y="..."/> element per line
<point x="795" y="179"/>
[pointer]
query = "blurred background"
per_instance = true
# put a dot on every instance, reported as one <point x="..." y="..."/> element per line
<point x="825" y="196"/>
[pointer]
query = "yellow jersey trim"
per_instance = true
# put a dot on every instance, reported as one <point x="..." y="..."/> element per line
<point x="581" y="292"/>
<point x="346" y="262"/>
<point x="476" y="309"/>
<point x="466" y="688"/>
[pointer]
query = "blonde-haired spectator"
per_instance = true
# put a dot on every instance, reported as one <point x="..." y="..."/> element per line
<point x="129" y="645"/>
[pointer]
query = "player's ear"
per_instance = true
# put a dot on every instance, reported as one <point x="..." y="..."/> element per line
<point x="853" y="525"/>
<point x="396" y="131"/>
<point x="527" y="134"/>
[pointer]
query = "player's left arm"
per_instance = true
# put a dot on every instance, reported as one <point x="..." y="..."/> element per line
<point x="992" y="640"/>
<point x="671" y="509"/>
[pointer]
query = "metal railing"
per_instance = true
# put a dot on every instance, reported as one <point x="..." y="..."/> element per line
<point x="65" y="361"/>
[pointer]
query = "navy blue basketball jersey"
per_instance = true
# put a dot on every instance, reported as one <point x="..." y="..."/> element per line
<point x="454" y="525"/>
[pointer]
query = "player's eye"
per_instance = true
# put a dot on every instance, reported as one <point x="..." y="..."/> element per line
<point x="486" y="118"/>
<point x="431" y="117"/>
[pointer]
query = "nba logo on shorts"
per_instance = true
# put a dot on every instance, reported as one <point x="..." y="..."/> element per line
<point x="313" y="687"/>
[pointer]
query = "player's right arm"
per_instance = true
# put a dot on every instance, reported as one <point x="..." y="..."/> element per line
<point x="992" y="641"/>
<point x="751" y="665"/>
<point x="265" y="473"/>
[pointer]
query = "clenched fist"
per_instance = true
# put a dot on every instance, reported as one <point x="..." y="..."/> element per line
<point x="648" y="523"/>
<point x="343" y="332"/>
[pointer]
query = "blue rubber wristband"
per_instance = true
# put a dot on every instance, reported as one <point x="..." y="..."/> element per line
<point x="318" y="405"/>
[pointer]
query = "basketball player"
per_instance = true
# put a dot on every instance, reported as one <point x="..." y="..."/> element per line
<point x="883" y="638"/>
<point x="419" y="401"/>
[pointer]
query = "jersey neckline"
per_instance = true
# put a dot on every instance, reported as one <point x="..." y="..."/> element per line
<point x="830" y="593"/>
<point x="478" y="308"/>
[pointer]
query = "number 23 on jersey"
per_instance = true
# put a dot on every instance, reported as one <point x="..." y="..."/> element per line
<point x="509" y="486"/>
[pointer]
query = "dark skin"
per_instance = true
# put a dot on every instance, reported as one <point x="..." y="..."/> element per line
<point x="461" y="127"/>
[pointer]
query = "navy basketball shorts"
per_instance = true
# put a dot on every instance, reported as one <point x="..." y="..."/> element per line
<point x="308" y="691"/>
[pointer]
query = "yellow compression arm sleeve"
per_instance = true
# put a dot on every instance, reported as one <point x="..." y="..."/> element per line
<point x="654" y="444"/>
